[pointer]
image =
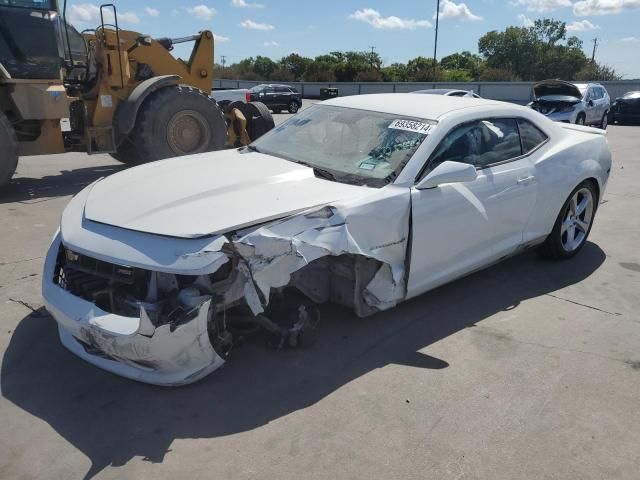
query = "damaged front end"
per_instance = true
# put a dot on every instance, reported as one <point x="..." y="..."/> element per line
<point x="557" y="99"/>
<point x="174" y="328"/>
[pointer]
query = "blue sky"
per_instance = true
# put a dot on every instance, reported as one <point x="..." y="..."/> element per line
<point x="399" y="29"/>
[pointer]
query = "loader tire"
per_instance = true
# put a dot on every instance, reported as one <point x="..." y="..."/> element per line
<point x="127" y="153"/>
<point x="262" y="122"/>
<point x="259" y="118"/>
<point x="8" y="150"/>
<point x="175" y="121"/>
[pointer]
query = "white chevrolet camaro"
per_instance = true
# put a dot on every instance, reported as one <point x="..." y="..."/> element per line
<point x="364" y="201"/>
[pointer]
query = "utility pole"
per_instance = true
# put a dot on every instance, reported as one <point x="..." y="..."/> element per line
<point x="435" y="45"/>
<point x="593" y="53"/>
<point x="223" y="61"/>
<point x="371" y="58"/>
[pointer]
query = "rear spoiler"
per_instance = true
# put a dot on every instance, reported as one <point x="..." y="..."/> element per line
<point x="582" y="128"/>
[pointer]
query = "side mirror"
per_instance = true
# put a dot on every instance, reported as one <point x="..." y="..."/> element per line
<point x="448" y="172"/>
<point x="590" y="103"/>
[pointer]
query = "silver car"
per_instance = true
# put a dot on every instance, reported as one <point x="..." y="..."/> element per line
<point x="581" y="103"/>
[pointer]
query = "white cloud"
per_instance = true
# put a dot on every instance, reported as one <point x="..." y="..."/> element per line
<point x="251" y="25"/>
<point x="89" y="14"/>
<point x="459" y="11"/>
<point x="630" y="39"/>
<point x="220" y="38"/>
<point x="245" y="4"/>
<point x="376" y="20"/>
<point x="541" y="5"/>
<point x="585" y="8"/>
<point x="582" y="26"/>
<point x="202" y="12"/>
<point x="272" y="43"/>
<point x="152" y="12"/>
<point x="525" y="21"/>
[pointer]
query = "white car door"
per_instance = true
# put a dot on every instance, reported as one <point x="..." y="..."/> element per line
<point x="460" y="227"/>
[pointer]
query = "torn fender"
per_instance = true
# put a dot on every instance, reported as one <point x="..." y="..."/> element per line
<point x="377" y="229"/>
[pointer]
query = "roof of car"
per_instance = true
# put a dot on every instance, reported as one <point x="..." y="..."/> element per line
<point x="439" y="91"/>
<point x="411" y="105"/>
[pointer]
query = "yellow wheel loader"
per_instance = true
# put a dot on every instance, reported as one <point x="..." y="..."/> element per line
<point x="107" y="90"/>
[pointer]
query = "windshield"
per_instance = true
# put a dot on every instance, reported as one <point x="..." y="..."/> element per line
<point x="631" y="95"/>
<point x="348" y="145"/>
<point x="257" y="89"/>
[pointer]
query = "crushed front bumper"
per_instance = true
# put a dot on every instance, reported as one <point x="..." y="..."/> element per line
<point x="165" y="356"/>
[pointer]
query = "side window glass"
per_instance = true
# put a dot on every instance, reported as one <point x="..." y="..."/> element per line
<point x="480" y="143"/>
<point x="531" y="135"/>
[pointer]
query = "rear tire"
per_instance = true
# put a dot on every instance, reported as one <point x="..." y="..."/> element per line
<point x="293" y="107"/>
<point x="573" y="224"/>
<point x="175" y="121"/>
<point x="8" y="150"/>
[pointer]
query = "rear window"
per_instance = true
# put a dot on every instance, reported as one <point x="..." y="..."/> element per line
<point x="531" y="136"/>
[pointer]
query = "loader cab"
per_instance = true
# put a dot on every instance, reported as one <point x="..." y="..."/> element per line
<point x="31" y="39"/>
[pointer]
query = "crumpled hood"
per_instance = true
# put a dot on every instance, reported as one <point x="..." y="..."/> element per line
<point x="556" y="87"/>
<point x="209" y="193"/>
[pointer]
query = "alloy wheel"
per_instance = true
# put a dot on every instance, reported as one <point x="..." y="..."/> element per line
<point x="577" y="220"/>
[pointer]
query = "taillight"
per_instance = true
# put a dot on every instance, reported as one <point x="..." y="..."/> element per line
<point x="248" y="97"/>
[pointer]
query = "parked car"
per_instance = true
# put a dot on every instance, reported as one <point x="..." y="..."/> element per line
<point x="626" y="108"/>
<point x="580" y="103"/>
<point x="449" y="92"/>
<point x="365" y="201"/>
<point x="277" y="97"/>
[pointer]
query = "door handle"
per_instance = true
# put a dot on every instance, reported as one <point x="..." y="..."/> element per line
<point x="526" y="180"/>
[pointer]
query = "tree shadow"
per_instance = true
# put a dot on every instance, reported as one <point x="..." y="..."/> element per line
<point x="112" y="420"/>
<point x="67" y="182"/>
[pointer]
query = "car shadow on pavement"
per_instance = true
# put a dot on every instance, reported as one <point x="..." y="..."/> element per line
<point x="67" y="182"/>
<point x="111" y="419"/>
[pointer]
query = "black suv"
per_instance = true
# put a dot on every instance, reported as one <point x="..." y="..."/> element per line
<point x="277" y="97"/>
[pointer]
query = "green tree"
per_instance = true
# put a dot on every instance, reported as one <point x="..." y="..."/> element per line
<point x="534" y="53"/>
<point x="396" y="72"/>
<point x="471" y="63"/>
<point x="596" y="71"/>
<point x="263" y="67"/>
<point x="421" y="69"/>
<point x="296" y="64"/>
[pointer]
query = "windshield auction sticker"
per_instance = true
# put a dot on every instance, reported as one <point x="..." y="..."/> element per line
<point x="411" y="126"/>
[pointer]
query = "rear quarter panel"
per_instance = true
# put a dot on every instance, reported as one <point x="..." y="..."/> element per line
<point x="574" y="155"/>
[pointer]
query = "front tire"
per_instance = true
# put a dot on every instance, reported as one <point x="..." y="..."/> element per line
<point x="604" y="123"/>
<point x="293" y="107"/>
<point x="573" y="224"/>
<point x="175" y="121"/>
<point x="8" y="149"/>
<point x="580" y="120"/>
